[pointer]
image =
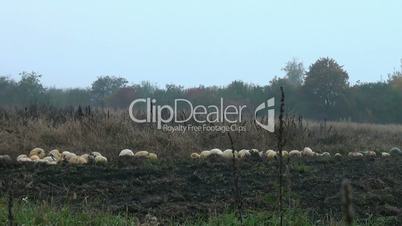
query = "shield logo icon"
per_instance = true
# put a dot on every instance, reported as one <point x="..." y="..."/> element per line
<point x="268" y="106"/>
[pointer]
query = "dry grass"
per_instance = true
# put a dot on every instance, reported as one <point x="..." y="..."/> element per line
<point x="110" y="131"/>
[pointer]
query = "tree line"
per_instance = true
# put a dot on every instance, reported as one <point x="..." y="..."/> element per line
<point x="320" y="92"/>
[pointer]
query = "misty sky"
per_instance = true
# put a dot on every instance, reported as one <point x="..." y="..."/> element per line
<point x="190" y="42"/>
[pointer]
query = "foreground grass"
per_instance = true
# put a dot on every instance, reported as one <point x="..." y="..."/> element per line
<point x="252" y="219"/>
<point x="44" y="214"/>
<point x="292" y="218"/>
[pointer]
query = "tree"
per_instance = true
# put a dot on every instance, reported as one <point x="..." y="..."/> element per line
<point x="30" y="89"/>
<point x="238" y="90"/>
<point x="395" y="79"/>
<point x="105" y="86"/>
<point x="122" y="97"/>
<point x="68" y="97"/>
<point x="7" y="93"/>
<point x="325" y="85"/>
<point x="291" y="91"/>
<point x="294" y="72"/>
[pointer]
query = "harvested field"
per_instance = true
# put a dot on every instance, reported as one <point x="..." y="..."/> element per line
<point x="186" y="188"/>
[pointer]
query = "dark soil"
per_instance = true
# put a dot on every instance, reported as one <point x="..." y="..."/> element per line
<point x="188" y="188"/>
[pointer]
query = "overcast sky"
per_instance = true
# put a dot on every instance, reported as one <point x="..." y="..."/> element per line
<point x="210" y="42"/>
